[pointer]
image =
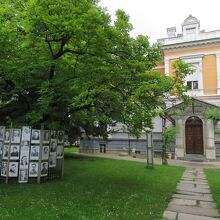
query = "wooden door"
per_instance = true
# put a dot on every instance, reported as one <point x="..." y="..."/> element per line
<point x="194" y="136"/>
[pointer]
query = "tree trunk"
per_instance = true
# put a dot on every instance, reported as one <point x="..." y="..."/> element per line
<point x="164" y="158"/>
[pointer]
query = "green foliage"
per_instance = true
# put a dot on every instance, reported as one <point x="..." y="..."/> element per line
<point x="181" y="69"/>
<point x="169" y="136"/>
<point x="94" y="189"/>
<point x="66" y="65"/>
<point x="213" y="114"/>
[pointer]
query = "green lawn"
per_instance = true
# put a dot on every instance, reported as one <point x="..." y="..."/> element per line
<point x="213" y="176"/>
<point x="94" y="189"/>
<point x="68" y="150"/>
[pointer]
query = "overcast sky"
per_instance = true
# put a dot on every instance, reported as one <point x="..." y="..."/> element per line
<point x="152" y="17"/>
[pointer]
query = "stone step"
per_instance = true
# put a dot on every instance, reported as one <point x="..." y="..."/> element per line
<point x="204" y="197"/>
<point x="168" y="215"/>
<point x="192" y="202"/>
<point x="195" y="158"/>
<point x="194" y="182"/>
<point x="193" y="189"/>
<point x="194" y="177"/>
<point x="193" y="185"/>
<point x="191" y="193"/>
<point x="184" y="216"/>
<point x="210" y="212"/>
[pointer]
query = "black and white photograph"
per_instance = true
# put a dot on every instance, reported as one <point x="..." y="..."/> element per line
<point x="13" y="169"/>
<point x="23" y="175"/>
<point x="44" y="168"/>
<point x="1" y="149"/>
<point x="16" y="136"/>
<point x="7" y="136"/>
<point x="53" y="146"/>
<point x="5" y="152"/>
<point x="33" y="169"/>
<point x="2" y="132"/>
<point x="52" y="160"/>
<point x="46" y="137"/>
<point x="60" y="136"/>
<point x="35" y="136"/>
<point x="34" y="155"/>
<point x="14" y="152"/>
<point x="53" y="134"/>
<point x="59" y="151"/>
<point x="26" y="133"/>
<point x="45" y="152"/>
<point x="4" y="169"/>
<point x="25" y="145"/>
<point x="24" y="160"/>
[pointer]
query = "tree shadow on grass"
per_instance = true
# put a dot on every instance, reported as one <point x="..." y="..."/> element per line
<point x="77" y="157"/>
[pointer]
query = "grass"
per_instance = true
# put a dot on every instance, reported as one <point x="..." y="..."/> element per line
<point x="69" y="150"/>
<point x="94" y="189"/>
<point x="213" y="176"/>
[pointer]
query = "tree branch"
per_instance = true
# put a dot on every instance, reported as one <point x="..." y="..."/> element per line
<point x="50" y="47"/>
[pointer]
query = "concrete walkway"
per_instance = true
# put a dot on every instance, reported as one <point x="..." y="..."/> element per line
<point x="172" y="162"/>
<point x="192" y="200"/>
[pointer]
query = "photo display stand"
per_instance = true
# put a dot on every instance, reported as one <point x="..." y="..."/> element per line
<point x="31" y="155"/>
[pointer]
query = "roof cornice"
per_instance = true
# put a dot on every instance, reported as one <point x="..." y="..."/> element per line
<point x="191" y="44"/>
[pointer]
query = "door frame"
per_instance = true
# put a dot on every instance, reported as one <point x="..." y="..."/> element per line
<point x="202" y="135"/>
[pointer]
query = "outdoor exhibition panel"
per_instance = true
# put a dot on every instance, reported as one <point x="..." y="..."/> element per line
<point x="30" y="155"/>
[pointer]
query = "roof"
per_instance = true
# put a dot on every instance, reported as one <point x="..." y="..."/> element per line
<point x="190" y="20"/>
<point x="195" y="106"/>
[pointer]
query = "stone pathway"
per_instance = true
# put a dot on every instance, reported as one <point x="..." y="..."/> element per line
<point x="171" y="162"/>
<point x="192" y="200"/>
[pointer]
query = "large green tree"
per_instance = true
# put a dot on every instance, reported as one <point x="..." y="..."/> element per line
<point x="64" y="63"/>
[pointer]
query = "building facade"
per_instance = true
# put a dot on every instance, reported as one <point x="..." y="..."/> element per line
<point x="196" y="134"/>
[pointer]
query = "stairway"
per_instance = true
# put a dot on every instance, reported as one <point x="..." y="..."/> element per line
<point x="195" y="158"/>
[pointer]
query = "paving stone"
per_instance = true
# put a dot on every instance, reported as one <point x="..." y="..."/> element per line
<point x="188" y="176"/>
<point x="187" y="202"/>
<point x="193" y="210"/>
<point x="194" y="182"/>
<point x="184" y="216"/>
<point x="193" y="200"/>
<point x="201" y="177"/>
<point x="205" y="197"/>
<point x="190" y="193"/>
<point x="206" y="204"/>
<point x="193" y="185"/>
<point x="194" y="179"/>
<point x="170" y="215"/>
<point x="193" y="189"/>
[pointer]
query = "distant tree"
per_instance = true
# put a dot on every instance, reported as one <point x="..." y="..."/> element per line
<point x="169" y="135"/>
<point x="213" y="114"/>
<point x="65" y="64"/>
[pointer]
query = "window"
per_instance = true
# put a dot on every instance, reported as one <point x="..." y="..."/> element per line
<point x="191" y="30"/>
<point x="195" y="85"/>
<point x="191" y="85"/>
<point x="102" y="148"/>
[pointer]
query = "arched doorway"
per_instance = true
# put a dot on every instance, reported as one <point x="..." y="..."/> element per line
<point x="194" y="135"/>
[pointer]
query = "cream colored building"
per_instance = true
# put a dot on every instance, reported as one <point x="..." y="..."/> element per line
<point x="197" y="135"/>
